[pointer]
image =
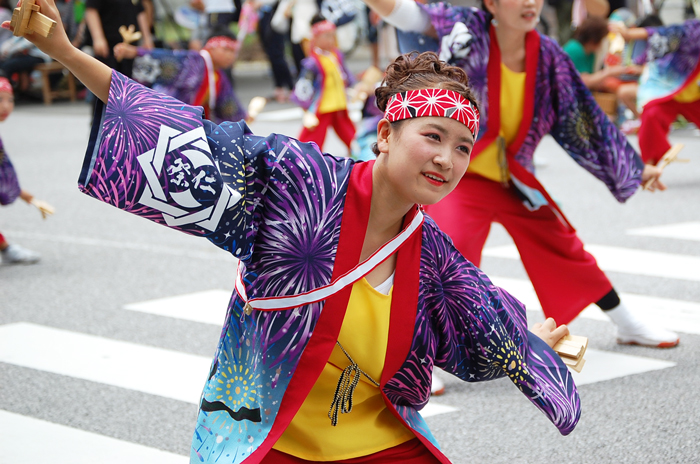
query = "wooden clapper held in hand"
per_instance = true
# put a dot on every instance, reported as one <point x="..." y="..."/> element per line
<point x="571" y="348"/>
<point x="669" y="157"/>
<point x="27" y="19"/>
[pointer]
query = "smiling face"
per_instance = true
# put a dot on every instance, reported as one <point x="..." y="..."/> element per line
<point x="7" y="104"/>
<point x="421" y="160"/>
<point x="520" y="15"/>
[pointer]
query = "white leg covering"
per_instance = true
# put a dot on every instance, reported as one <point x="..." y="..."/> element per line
<point x="633" y="331"/>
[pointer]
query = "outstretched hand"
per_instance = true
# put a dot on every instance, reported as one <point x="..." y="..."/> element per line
<point x="549" y="332"/>
<point x="652" y="172"/>
<point x="125" y="51"/>
<point x="44" y="208"/>
<point x="57" y="44"/>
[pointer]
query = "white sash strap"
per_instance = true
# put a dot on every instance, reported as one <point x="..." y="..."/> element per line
<point x="321" y="293"/>
<point x="210" y="76"/>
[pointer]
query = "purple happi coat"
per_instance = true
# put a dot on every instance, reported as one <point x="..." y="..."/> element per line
<point x="562" y="106"/>
<point x="673" y="57"/>
<point x="9" y="185"/>
<point x="183" y="74"/>
<point x="292" y="216"/>
<point x="308" y="89"/>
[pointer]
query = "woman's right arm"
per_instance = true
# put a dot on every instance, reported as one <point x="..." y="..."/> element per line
<point x="95" y="75"/>
<point x="405" y="15"/>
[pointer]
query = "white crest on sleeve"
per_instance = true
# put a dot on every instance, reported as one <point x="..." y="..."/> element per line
<point x="456" y="45"/>
<point x="194" y="150"/>
<point x="146" y="69"/>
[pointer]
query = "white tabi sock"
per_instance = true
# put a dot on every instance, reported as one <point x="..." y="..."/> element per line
<point x="633" y="331"/>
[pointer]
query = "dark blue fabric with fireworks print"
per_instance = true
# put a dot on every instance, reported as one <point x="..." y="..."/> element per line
<point x="672" y="53"/>
<point x="180" y="73"/>
<point x="9" y="185"/>
<point x="564" y="107"/>
<point x="278" y="205"/>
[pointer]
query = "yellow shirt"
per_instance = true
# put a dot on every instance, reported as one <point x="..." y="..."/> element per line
<point x="333" y="92"/>
<point x="370" y="427"/>
<point x="691" y="92"/>
<point x="487" y="164"/>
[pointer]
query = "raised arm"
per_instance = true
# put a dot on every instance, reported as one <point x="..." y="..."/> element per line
<point x="405" y="15"/>
<point x="95" y="75"/>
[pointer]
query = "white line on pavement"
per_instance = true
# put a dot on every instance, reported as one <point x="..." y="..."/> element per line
<point x="289" y="114"/>
<point x="630" y="261"/>
<point x="147" y="369"/>
<point x="676" y="315"/>
<point x="605" y="365"/>
<point x="214" y="254"/>
<point x="26" y="440"/>
<point x="208" y="307"/>
<point x="683" y="231"/>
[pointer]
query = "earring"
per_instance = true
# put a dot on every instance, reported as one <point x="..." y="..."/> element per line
<point x="494" y="22"/>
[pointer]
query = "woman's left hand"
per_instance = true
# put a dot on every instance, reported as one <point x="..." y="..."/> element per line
<point x="652" y="172"/>
<point x="549" y="332"/>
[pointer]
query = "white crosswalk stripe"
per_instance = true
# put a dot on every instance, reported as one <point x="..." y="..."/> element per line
<point x="626" y="260"/>
<point x="19" y="436"/>
<point x="676" y="315"/>
<point x="98" y="359"/>
<point x="682" y="231"/>
<point x="143" y="368"/>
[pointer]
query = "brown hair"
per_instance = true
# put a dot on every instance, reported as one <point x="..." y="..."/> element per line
<point x="592" y="30"/>
<point x="413" y="71"/>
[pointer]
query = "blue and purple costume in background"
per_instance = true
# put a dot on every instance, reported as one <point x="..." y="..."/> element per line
<point x="9" y="185"/>
<point x="556" y="102"/>
<point x="184" y="74"/>
<point x="672" y="55"/>
<point x="292" y="216"/>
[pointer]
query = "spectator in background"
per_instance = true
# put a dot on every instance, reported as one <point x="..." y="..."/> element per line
<point x="582" y="49"/>
<point x="103" y="19"/>
<point x="219" y="13"/>
<point x="5" y="15"/>
<point x="273" y="43"/>
<point x="18" y="57"/>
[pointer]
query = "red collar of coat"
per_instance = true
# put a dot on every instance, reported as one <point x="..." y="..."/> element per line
<point x="404" y="306"/>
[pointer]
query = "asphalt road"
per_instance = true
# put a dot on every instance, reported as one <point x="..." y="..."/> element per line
<point x="97" y="260"/>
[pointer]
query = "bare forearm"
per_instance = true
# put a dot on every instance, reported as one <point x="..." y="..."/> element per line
<point x="96" y="75"/>
<point x="593" y="80"/>
<point x="637" y="33"/>
<point x="145" y="28"/>
<point x="381" y="7"/>
<point x="94" y="24"/>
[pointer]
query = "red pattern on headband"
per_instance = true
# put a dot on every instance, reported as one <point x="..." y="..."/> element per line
<point x="221" y="41"/>
<point x="433" y="102"/>
<point x="5" y="85"/>
<point x="321" y="27"/>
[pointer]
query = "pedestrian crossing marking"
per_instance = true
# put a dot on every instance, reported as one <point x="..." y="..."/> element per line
<point x="289" y="114"/>
<point x="156" y="371"/>
<point x="605" y="365"/>
<point x="434" y="409"/>
<point x="682" y="231"/>
<point x="20" y="435"/>
<point x="207" y="307"/>
<point x="630" y="261"/>
<point x="676" y="315"/>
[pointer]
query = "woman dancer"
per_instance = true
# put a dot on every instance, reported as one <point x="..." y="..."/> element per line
<point x="528" y="88"/>
<point x="329" y="341"/>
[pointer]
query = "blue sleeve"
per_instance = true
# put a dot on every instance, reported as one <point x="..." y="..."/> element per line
<point x="154" y="156"/>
